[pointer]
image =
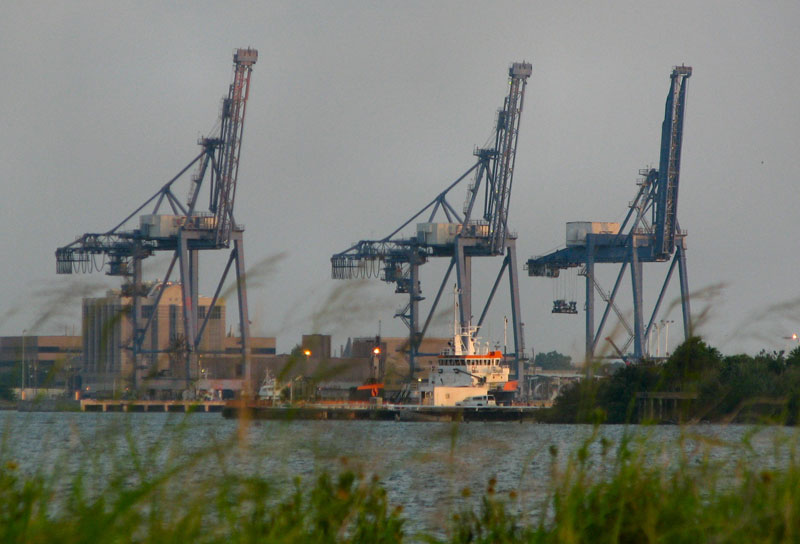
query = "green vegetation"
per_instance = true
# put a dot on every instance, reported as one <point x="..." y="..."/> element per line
<point x="553" y="360"/>
<point x="633" y="491"/>
<point x="8" y="380"/>
<point x="128" y="492"/>
<point x="735" y="388"/>
<point x="632" y="496"/>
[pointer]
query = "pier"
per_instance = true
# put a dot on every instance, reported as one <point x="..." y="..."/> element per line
<point x="398" y="412"/>
<point x="181" y="406"/>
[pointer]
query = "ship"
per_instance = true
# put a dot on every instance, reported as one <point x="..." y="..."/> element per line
<point x="466" y="368"/>
<point x="270" y="389"/>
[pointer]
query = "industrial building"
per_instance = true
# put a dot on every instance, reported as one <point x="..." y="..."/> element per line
<point x="392" y="360"/>
<point x="41" y="362"/>
<point x="108" y="360"/>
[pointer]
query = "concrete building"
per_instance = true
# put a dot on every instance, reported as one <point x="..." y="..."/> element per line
<point x="108" y="337"/>
<point x="41" y="362"/>
<point x="108" y="364"/>
<point x="393" y="359"/>
<point x="228" y="364"/>
<point x="317" y="346"/>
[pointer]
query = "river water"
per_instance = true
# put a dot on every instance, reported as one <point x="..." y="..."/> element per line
<point x="423" y="466"/>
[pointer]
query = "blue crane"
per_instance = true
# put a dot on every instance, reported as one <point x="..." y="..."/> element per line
<point x="183" y="230"/>
<point x="459" y="236"/>
<point x="650" y="233"/>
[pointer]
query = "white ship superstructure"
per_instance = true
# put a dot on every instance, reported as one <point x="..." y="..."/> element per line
<point x="466" y="368"/>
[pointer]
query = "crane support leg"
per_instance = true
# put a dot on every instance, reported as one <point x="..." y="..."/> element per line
<point x="464" y="276"/>
<point x="158" y="299"/>
<point x="188" y="301"/>
<point x="194" y="285"/>
<point x="684" y="278"/>
<point x="438" y="296"/>
<point x="136" y="319"/>
<point x="194" y="270"/>
<point x="516" y="317"/>
<point x="244" y="319"/>
<point x="590" y="344"/>
<point x="413" y="320"/>
<point x="611" y="305"/>
<point x="491" y="295"/>
<point x="213" y="304"/>
<point x="636" y="280"/>
<point x="660" y="299"/>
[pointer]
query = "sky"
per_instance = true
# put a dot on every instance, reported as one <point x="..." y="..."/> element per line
<point x="361" y="112"/>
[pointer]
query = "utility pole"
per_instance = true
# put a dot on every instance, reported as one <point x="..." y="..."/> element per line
<point x="22" y="389"/>
<point x="666" y="340"/>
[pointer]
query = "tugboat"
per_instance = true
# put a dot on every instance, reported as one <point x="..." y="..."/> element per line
<point x="466" y="368"/>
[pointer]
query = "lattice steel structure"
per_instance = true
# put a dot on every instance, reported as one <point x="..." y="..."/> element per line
<point x="460" y="237"/>
<point x="649" y="234"/>
<point x="184" y="230"/>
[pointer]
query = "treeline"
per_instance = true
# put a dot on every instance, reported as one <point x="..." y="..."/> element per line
<point x="732" y="388"/>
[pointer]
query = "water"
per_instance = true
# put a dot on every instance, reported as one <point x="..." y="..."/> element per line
<point x="423" y="466"/>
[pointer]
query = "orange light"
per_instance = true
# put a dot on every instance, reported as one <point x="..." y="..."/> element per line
<point x="376" y="351"/>
<point x="307" y="352"/>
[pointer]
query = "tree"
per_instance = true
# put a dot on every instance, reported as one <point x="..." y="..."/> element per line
<point x="553" y="361"/>
<point x="690" y="363"/>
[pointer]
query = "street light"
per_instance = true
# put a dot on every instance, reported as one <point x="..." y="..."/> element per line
<point x="666" y="340"/>
<point x="657" y="327"/>
<point x="22" y="388"/>
<point x="793" y="338"/>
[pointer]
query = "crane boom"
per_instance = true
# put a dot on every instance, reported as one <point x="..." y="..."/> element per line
<point x="666" y="208"/>
<point x="233" y="112"/>
<point x="211" y="230"/>
<point x="506" y="147"/>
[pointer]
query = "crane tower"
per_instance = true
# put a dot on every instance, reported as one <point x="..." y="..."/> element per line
<point x="650" y="233"/>
<point x="182" y="228"/>
<point x="458" y="236"/>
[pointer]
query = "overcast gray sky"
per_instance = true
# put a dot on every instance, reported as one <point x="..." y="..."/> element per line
<point x="361" y="112"/>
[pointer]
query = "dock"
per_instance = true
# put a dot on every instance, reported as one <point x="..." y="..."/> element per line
<point x="180" y="406"/>
<point x="367" y="412"/>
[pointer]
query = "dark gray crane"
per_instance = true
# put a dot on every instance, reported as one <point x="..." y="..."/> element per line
<point x="653" y="235"/>
<point x="184" y="230"/>
<point x="460" y="237"/>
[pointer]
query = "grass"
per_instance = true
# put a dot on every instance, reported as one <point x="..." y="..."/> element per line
<point x="641" y="494"/>
<point x="631" y="490"/>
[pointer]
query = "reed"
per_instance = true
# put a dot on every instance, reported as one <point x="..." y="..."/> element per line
<point x="636" y="490"/>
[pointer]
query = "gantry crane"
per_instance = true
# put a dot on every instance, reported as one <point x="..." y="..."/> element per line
<point x="653" y="235"/>
<point x="460" y="237"/>
<point x="183" y="230"/>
